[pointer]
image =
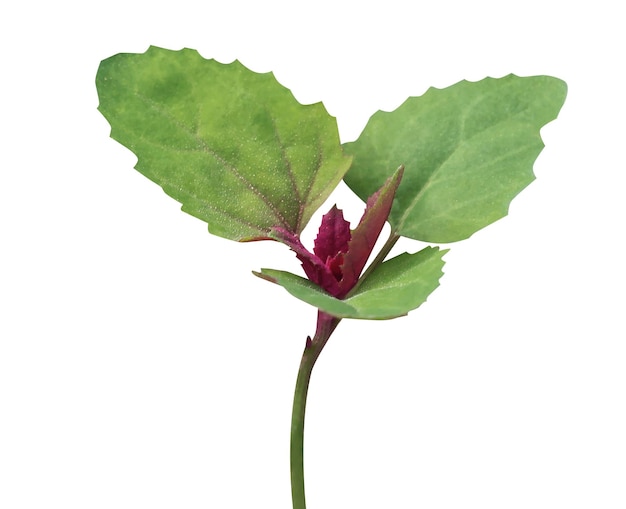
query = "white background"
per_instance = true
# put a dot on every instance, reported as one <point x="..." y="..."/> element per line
<point x="143" y="366"/>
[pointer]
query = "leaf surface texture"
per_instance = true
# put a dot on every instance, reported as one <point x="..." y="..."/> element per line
<point x="233" y="146"/>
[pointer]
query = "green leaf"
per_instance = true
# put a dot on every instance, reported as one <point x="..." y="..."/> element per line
<point x="233" y="146"/>
<point x="396" y="287"/>
<point x="468" y="150"/>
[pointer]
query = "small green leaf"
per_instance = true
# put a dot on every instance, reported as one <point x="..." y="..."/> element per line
<point x="396" y="287"/>
<point x="233" y="146"/>
<point x="309" y="292"/>
<point x="468" y="150"/>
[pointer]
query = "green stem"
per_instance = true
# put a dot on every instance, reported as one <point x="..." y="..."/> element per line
<point x="326" y="324"/>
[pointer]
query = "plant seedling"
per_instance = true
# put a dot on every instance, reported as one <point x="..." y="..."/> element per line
<point x="237" y="150"/>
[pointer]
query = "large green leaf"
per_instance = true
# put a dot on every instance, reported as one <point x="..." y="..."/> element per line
<point x="468" y="150"/>
<point x="394" y="288"/>
<point x="233" y="146"/>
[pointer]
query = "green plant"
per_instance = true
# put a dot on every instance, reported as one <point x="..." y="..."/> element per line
<point x="238" y="151"/>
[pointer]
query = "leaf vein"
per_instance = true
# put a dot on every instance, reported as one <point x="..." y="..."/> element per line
<point x="318" y="164"/>
<point x="208" y="150"/>
<point x="462" y="141"/>
<point x="204" y="204"/>
<point x="288" y="166"/>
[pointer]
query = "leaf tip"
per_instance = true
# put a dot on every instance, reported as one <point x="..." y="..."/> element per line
<point x="266" y="277"/>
